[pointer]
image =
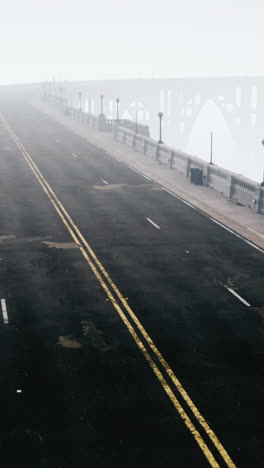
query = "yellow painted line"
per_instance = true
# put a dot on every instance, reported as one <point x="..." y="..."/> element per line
<point x="63" y="215"/>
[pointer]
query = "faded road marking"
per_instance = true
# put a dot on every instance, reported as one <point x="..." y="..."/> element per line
<point x="109" y="187"/>
<point x="74" y="155"/>
<point x="6" y="238"/>
<point x="4" y="311"/>
<point x="61" y="245"/>
<point x="68" y="342"/>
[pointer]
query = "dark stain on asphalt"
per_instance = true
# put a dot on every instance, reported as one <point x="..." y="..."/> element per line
<point x="94" y="337"/>
<point x="91" y="336"/>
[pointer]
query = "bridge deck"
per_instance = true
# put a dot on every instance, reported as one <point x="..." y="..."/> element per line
<point x="95" y="260"/>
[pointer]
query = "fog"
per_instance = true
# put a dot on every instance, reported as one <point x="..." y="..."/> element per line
<point x="112" y="39"/>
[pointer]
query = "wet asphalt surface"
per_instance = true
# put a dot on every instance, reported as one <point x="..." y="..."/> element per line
<point x="75" y="389"/>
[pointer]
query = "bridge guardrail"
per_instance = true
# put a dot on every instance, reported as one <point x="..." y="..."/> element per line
<point x="233" y="186"/>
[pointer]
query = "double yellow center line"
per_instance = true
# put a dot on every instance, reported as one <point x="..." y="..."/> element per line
<point x="165" y="375"/>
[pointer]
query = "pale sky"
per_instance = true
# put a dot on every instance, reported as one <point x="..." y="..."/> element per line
<point x="84" y="39"/>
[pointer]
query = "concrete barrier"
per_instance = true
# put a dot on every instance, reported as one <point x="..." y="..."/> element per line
<point x="164" y="154"/>
<point x="139" y="142"/>
<point x="220" y="180"/>
<point x="151" y="148"/>
<point x="244" y="191"/>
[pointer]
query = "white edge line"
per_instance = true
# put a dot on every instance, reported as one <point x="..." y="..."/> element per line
<point x="104" y="181"/>
<point x="237" y="296"/>
<point x="4" y="311"/>
<point x="256" y="232"/>
<point x="215" y="221"/>
<point x="171" y="193"/>
<point x="140" y="173"/>
<point x="146" y="178"/>
<point x="112" y="155"/>
<point x="152" y="222"/>
<point x="74" y="155"/>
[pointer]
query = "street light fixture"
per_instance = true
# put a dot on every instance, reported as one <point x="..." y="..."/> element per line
<point x="117" y="104"/>
<point x="160" y="114"/>
<point x="102" y="103"/>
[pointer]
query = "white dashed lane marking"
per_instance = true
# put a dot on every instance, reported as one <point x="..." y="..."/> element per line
<point x="152" y="222"/>
<point x="104" y="181"/>
<point x="237" y="296"/>
<point x="4" y="311"/>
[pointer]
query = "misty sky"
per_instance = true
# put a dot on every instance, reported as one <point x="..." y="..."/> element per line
<point x="84" y="39"/>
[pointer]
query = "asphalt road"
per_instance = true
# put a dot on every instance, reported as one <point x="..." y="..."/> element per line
<point x="81" y="382"/>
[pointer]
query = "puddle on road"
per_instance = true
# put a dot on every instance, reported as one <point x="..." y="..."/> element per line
<point x="68" y="342"/>
<point x="61" y="245"/>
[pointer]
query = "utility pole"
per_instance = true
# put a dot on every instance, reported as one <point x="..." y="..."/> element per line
<point x="211" y="152"/>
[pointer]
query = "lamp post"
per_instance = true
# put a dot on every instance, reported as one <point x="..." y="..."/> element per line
<point x="136" y="120"/>
<point x="262" y="183"/>
<point x="160" y="114"/>
<point x="49" y="89"/>
<point x="102" y="103"/>
<point x="211" y="152"/>
<point x="117" y="104"/>
<point x="61" y="94"/>
<point x="80" y="97"/>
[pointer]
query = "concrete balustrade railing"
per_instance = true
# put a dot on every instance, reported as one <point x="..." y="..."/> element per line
<point x="231" y="185"/>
